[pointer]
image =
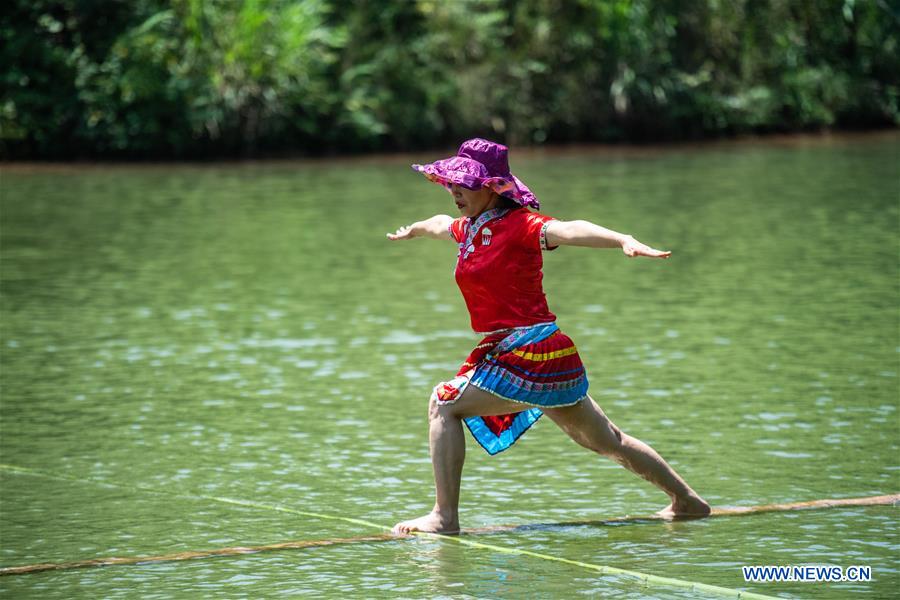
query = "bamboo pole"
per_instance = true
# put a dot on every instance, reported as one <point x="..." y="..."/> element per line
<point x="231" y="551"/>
<point x="891" y="499"/>
<point x="737" y="511"/>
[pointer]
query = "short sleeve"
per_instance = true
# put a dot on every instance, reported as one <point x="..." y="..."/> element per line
<point x="457" y="228"/>
<point x="535" y="235"/>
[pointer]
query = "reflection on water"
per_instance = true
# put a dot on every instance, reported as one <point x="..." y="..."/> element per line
<point x="246" y="331"/>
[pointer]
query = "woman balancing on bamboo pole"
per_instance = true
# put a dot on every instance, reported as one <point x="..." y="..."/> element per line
<point x="525" y="366"/>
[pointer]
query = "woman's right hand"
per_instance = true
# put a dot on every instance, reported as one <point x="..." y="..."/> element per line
<point x="437" y="227"/>
<point x="407" y="232"/>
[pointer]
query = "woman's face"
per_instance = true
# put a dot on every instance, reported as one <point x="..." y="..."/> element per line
<point x="472" y="203"/>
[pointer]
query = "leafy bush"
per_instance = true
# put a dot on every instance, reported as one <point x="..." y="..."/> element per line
<point x="196" y="78"/>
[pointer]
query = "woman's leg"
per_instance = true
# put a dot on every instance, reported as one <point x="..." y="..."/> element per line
<point x="448" y="452"/>
<point x="586" y="424"/>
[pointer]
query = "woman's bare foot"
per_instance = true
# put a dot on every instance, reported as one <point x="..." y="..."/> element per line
<point x="692" y="506"/>
<point x="433" y="522"/>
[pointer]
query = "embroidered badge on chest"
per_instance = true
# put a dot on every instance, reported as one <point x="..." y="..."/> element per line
<point x="485" y="237"/>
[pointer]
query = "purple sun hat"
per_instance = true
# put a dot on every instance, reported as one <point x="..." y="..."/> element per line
<point x="480" y="163"/>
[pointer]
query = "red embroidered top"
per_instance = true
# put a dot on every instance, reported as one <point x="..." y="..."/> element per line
<point x="498" y="269"/>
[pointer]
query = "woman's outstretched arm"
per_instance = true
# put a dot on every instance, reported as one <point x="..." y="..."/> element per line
<point x="437" y="227"/>
<point x="585" y="233"/>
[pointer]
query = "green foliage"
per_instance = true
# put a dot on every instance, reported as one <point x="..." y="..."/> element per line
<point x="193" y="78"/>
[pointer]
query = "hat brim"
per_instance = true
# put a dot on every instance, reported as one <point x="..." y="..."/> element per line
<point x="509" y="187"/>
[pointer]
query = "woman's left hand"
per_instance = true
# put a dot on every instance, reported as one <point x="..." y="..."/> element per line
<point x="631" y="247"/>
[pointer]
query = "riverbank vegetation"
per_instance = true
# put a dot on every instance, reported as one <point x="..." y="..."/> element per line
<point x="218" y="78"/>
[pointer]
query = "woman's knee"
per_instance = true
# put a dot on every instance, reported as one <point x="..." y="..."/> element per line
<point x="603" y="438"/>
<point x="440" y="411"/>
<point x="611" y="443"/>
<point x="589" y="427"/>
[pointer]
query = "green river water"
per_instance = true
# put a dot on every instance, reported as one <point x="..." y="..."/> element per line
<point x="170" y="334"/>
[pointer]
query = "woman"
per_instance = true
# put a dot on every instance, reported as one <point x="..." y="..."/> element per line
<point x="524" y="367"/>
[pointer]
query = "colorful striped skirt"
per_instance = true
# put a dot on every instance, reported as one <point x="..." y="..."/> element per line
<point x="537" y="365"/>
